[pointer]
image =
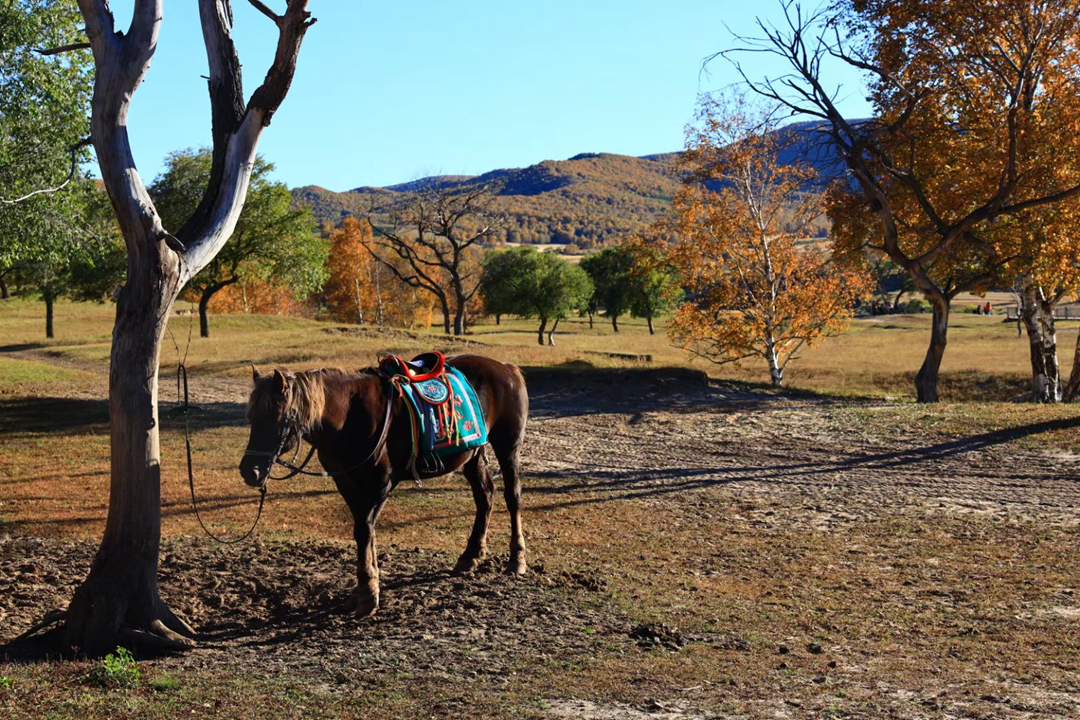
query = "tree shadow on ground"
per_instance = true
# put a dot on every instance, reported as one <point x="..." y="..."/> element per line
<point x="58" y="415"/>
<point x="579" y="388"/>
<point x="19" y="347"/>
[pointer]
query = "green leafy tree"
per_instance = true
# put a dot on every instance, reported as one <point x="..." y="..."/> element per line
<point x="529" y="283"/>
<point x="561" y="289"/>
<point x="504" y="282"/>
<point x="609" y="271"/>
<point x="77" y="250"/>
<point x="654" y="281"/>
<point x="272" y="242"/>
<point x="44" y="105"/>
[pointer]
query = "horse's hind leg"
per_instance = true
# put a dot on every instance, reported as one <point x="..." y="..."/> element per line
<point x="482" y="489"/>
<point x="509" y="457"/>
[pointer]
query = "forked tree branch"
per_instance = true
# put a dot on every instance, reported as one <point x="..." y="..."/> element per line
<point x="236" y="126"/>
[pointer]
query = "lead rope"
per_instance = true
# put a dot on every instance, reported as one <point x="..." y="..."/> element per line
<point x="181" y="377"/>
<point x="185" y="407"/>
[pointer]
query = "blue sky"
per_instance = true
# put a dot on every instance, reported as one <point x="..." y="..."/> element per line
<point x="388" y="92"/>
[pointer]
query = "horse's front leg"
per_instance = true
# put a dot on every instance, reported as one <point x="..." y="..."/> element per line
<point x="366" y="506"/>
<point x="367" y="561"/>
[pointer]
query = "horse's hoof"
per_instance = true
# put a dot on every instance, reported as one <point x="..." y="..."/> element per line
<point x="517" y="566"/>
<point x="465" y="565"/>
<point x="366" y="605"/>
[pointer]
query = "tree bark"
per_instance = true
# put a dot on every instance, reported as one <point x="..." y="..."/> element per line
<point x="776" y="372"/>
<point x="121" y="589"/>
<point x="926" y="380"/>
<point x="615" y="322"/>
<point x="551" y="332"/>
<point x="49" y="317"/>
<point x="4" y="292"/>
<point x="459" y="315"/>
<point x="1037" y="315"/>
<point x="498" y="319"/>
<point x="540" y="332"/>
<point x="590" y="321"/>
<point x="651" y="330"/>
<point x="445" y="307"/>
<point x="1073" y="386"/>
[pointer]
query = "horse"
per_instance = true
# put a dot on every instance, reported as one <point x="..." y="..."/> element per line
<point x="358" y="424"/>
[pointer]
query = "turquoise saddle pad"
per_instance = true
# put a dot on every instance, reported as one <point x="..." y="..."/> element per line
<point x="438" y="402"/>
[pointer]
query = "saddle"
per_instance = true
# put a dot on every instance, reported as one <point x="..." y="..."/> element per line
<point x="443" y="409"/>
<point x="424" y="366"/>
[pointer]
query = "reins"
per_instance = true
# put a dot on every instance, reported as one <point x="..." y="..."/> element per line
<point x="299" y="469"/>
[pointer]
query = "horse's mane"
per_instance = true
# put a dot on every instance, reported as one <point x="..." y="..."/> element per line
<point x="306" y="399"/>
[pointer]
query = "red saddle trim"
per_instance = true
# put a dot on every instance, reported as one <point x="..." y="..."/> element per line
<point x="407" y="370"/>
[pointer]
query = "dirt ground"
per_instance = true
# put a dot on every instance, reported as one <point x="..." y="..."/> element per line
<point x="699" y="549"/>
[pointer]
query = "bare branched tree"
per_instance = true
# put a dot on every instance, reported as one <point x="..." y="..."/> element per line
<point x="431" y="241"/>
<point x="119" y="599"/>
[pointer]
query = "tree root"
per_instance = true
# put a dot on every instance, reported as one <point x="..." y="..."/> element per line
<point x="158" y="638"/>
<point x="51" y="618"/>
<point x="175" y="622"/>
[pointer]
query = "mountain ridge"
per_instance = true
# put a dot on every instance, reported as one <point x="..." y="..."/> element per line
<point x="589" y="199"/>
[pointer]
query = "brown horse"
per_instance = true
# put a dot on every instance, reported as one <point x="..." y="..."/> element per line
<point x="359" y="426"/>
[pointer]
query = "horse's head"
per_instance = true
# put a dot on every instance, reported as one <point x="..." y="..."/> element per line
<point x="274" y="428"/>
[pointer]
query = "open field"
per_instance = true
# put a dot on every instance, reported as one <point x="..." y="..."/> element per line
<point x="700" y="547"/>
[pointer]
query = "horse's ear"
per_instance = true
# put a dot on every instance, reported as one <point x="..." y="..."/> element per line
<point x="279" y="382"/>
<point x="255" y="373"/>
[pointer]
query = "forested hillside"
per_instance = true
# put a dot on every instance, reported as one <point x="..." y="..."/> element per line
<point x="590" y="199"/>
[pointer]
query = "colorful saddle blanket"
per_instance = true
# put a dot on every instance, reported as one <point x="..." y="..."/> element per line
<point x="443" y="408"/>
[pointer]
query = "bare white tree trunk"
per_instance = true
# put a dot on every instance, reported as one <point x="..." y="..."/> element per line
<point x="1037" y="315"/>
<point x="356" y="298"/>
<point x="119" y="598"/>
<point x="776" y="370"/>
<point x="380" y="316"/>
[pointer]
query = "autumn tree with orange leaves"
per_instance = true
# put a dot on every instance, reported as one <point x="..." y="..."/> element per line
<point x="755" y="288"/>
<point x="348" y="291"/>
<point x="974" y="123"/>
<point x="360" y="287"/>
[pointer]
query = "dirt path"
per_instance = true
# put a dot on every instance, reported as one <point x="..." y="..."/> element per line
<point x="659" y="444"/>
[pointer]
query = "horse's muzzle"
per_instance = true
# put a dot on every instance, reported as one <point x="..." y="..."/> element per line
<point x="253" y="475"/>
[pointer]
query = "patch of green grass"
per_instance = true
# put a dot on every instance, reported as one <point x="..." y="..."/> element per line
<point x="164" y="683"/>
<point x="33" y="372"/>
<point x="118" y="669"/>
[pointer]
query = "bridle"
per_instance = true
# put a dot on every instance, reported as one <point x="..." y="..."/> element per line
<point x="292" y="428"/>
